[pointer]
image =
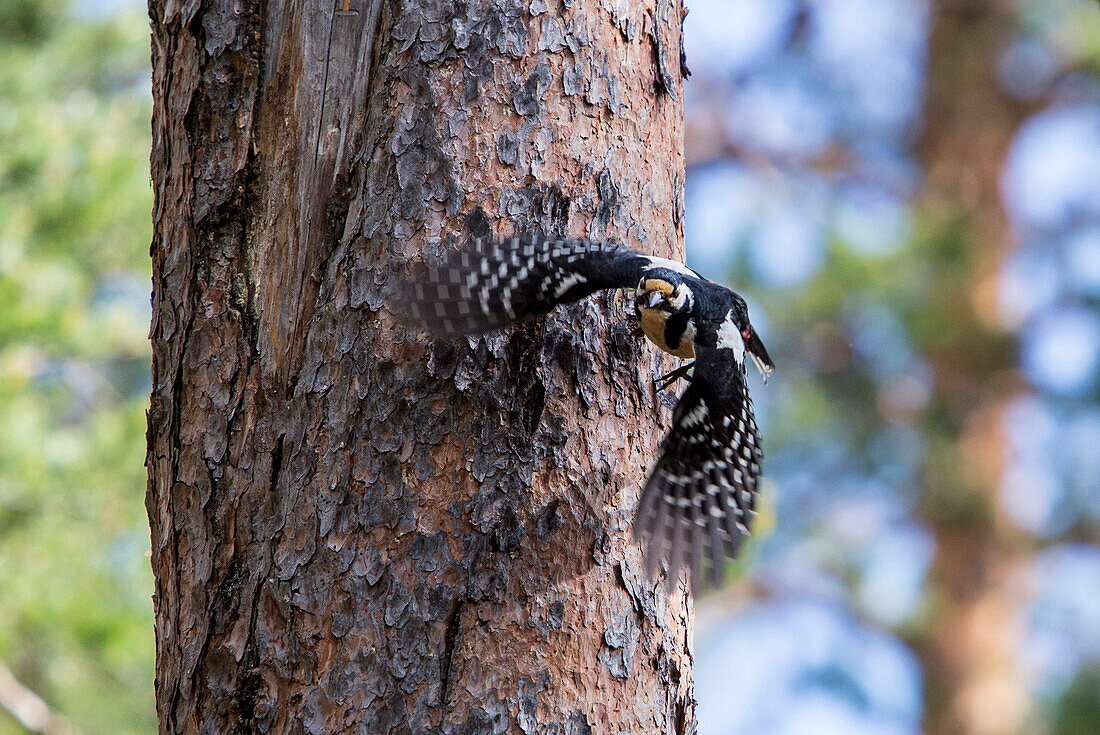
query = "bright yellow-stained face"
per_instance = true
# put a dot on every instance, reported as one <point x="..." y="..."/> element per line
<point x="656" y="300"/>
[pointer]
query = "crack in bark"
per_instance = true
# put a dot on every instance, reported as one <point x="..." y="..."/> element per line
<point x="664" y="76"/>
<point x="682" y="725"/>
<point x="251" y="687"/>
<point x="276" y="465"/>
<point x="176" y="449"/>
<point x="450" y="640"/>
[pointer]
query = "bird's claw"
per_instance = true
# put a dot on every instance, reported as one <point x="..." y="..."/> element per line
<point x="671" y="377"/>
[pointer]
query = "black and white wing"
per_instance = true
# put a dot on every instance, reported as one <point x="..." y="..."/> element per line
<point x="488" y="285"/>
<point x="698" y="503"/>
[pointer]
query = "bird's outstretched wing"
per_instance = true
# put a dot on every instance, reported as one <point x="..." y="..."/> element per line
<point x="698" y="503"/>
<point x="488" y="285"/>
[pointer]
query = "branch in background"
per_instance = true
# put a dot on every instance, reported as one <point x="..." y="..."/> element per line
<point x="705" y="140"/>
<point x="29" y="709"/>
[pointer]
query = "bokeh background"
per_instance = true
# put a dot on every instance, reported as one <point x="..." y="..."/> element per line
<point x="909" y="193"/>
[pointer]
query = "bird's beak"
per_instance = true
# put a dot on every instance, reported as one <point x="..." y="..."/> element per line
<point x="653" y="298"/>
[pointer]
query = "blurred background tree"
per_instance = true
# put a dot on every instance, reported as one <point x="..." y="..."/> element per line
<point x="909" y="190"/>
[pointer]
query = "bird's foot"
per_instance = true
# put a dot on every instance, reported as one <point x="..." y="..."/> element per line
<point x="669" y="378"/>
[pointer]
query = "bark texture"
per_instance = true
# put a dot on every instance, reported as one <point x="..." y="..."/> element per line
<point x="353" y="529"/>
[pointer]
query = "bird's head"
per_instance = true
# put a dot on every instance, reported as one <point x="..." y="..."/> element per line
<point x="663" y="292"/>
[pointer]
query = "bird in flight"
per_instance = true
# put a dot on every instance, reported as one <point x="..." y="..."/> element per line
<point x="697" y="505"/>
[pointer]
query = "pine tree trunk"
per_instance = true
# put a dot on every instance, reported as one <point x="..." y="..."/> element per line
<point x="355" y="529"/>
<point x="970" y="672"/>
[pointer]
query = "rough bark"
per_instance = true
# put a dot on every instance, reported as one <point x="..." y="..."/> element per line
<point x="354" y="529"/>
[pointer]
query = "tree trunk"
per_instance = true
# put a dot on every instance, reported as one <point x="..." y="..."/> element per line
<point x="968" y="654"/>
<point x="354" y="529"/>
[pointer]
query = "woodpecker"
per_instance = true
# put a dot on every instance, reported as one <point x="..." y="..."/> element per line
<point x="697" y="505"/>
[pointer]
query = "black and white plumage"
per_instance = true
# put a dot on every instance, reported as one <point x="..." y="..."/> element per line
<point x="697" y="505"/>
<point x="491" y="284"/>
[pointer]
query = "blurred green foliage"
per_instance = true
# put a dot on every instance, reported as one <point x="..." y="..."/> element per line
<point x="1078" y="711"/>
<point x="75" y="584"/>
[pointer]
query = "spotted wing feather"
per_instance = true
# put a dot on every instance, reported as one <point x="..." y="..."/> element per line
<point x="698" y="503"/>
<point x="488" y="285"/>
